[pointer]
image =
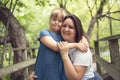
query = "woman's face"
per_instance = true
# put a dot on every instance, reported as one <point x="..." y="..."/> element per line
<point x="68" y="30"/>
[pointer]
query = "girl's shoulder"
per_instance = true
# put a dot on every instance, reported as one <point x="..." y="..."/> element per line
<point x="44" y="31"/>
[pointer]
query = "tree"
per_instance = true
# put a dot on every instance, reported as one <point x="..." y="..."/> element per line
<point x="95" y="18"/>
<point x="99" y="15"/>
<point x="16" y="35"/>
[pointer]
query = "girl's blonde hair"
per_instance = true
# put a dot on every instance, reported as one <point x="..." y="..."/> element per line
<point x="58" y="12"/>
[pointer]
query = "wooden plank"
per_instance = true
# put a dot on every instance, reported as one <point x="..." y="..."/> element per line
<point x="15" y="49"/>
<point x="109" y="38"/>
<point x="118" y="64"/>
<point x="109" y="68"/>
<point x="114" y="50"/>
<point x="16" y="67"/>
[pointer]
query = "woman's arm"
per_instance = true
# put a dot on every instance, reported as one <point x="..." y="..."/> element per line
<point x="72" y="72"/>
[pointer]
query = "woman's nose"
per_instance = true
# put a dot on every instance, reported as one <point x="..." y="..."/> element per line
<point x="66" y="28"/>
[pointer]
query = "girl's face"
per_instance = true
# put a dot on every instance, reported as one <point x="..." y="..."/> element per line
<point x="68" y="30"/>
<point x="55" y="24"/>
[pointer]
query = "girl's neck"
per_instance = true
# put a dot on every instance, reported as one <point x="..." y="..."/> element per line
<point x="54" y="31"/>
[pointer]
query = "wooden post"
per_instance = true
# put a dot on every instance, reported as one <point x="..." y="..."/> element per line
<point x="114" y="52"/>
<point x="97" y="52"/>
<point x="24" y="57"/>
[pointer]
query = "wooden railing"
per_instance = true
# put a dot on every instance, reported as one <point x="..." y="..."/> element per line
<point x="21" y="65"/>
<point x="111" y="67"/>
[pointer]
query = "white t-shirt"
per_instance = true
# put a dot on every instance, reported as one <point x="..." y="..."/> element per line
<point x="83" y="59"/>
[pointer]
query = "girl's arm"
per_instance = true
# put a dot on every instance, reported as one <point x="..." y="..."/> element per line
<point x="49" y="42"/>
<point x="52" y="44"/>
<point x="82" y="45"/>
<point x="84" y="41"/>
<point x="72" y="72"/>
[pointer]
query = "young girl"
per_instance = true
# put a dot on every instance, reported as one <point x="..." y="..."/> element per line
<point x="48" y="64"/>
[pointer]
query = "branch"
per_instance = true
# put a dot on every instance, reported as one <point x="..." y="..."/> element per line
<point x="14" y="6"/>
<point x="112" y="18"/>
<point x="11" y="4"/>
<point x="114" y="12"/>
<point x="89" y="9"/>
<point x="3" y="4"/>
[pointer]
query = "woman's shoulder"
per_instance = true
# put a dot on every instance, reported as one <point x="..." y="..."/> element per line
<point x="82" y="55"/>
<point x="80" y="52"/>
<point x="80" y="58"/>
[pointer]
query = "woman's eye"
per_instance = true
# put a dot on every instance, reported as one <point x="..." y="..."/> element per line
<point x="64" y="25"/>
<point x="70" y="27"/>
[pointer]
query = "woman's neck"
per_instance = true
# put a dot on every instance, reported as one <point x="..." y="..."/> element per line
<point x="70" y="41"/>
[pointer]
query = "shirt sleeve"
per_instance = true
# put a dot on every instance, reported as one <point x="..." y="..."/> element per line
<point x="43" y="33"/>
<point x="82" y="59"/>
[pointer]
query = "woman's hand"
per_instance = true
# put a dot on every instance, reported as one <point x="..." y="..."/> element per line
<point x="64" y="48"/>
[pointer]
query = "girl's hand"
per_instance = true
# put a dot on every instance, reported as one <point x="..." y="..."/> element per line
<point x="32" y="76"/>
<point x="82" y="47"/>
<point x="83" y="44"/>
<point x="64" y="48"/>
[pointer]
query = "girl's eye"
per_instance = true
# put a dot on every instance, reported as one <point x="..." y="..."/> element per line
<point x="54" y="19"/>
<point x="60" y="20"/>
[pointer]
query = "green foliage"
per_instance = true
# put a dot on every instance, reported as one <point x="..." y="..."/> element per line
<point x="4" y="1"/>
<point x="107" y="58"/>
<point x="42" y="2"/>
<point x="34" y="16"/>
<point x="6" y="77"/>
<point x="21" y="4"/>
<point x="2" y="29"/>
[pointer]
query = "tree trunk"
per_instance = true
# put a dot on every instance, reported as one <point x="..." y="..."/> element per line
<point x="17" y="37"/>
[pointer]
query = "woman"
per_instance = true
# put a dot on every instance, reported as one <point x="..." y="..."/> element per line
<point x="78" y="66"/>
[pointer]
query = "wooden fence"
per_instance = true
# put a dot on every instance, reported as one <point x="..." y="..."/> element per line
<point x="21" y="65"/>
<point x="111" y="67"/>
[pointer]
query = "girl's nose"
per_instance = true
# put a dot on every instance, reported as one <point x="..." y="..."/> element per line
<point x="56" y="21"/>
